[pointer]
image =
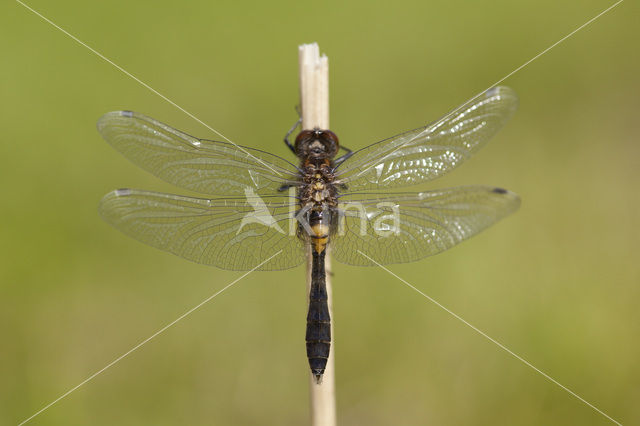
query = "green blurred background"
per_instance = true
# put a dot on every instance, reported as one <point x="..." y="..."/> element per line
<point x="557" y="283"/>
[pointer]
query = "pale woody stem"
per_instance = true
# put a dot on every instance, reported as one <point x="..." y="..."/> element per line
<point x="314" y="101"/>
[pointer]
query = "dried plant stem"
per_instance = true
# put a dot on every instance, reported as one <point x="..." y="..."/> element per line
<point x="314" y="100"/>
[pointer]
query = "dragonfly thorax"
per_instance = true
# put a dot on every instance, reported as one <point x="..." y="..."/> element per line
<point x="318" y="200"/>
<point x="317" y="183"/>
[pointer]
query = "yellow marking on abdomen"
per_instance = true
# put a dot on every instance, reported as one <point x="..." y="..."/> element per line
<point x="320" y="237"/>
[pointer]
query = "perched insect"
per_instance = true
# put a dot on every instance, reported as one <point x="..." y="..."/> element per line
<point x="268" y="213"/>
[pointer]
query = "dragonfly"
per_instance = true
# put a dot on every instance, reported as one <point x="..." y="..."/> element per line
<point x="261" y="211"/>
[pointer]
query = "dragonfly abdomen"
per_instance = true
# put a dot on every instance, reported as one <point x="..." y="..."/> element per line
<point x="318" y="334"/>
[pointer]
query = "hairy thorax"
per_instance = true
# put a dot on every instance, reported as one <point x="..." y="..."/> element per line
<point x="318" y="200"/>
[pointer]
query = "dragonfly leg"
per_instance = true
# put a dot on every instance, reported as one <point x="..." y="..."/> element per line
<point x="286" y="137"/>
<point x="285" y="187"/>
<point x="344" y="157"/>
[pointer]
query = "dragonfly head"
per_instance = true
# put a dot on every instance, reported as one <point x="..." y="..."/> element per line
<point x="316" y="144"/>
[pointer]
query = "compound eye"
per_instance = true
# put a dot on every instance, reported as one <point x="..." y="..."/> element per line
<point x="302" y="140"/>
<point x="329" y="135"/>
<point x="332" y="141"/>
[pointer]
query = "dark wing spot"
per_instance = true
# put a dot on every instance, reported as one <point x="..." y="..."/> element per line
<point x="499" y="190"/>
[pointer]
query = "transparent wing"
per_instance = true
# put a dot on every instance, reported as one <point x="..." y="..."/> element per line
<point x="406" y="227"/>
<point x="200" y="165"/>
<point x="429" y="152"/>
<point x="230" y="234"/>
